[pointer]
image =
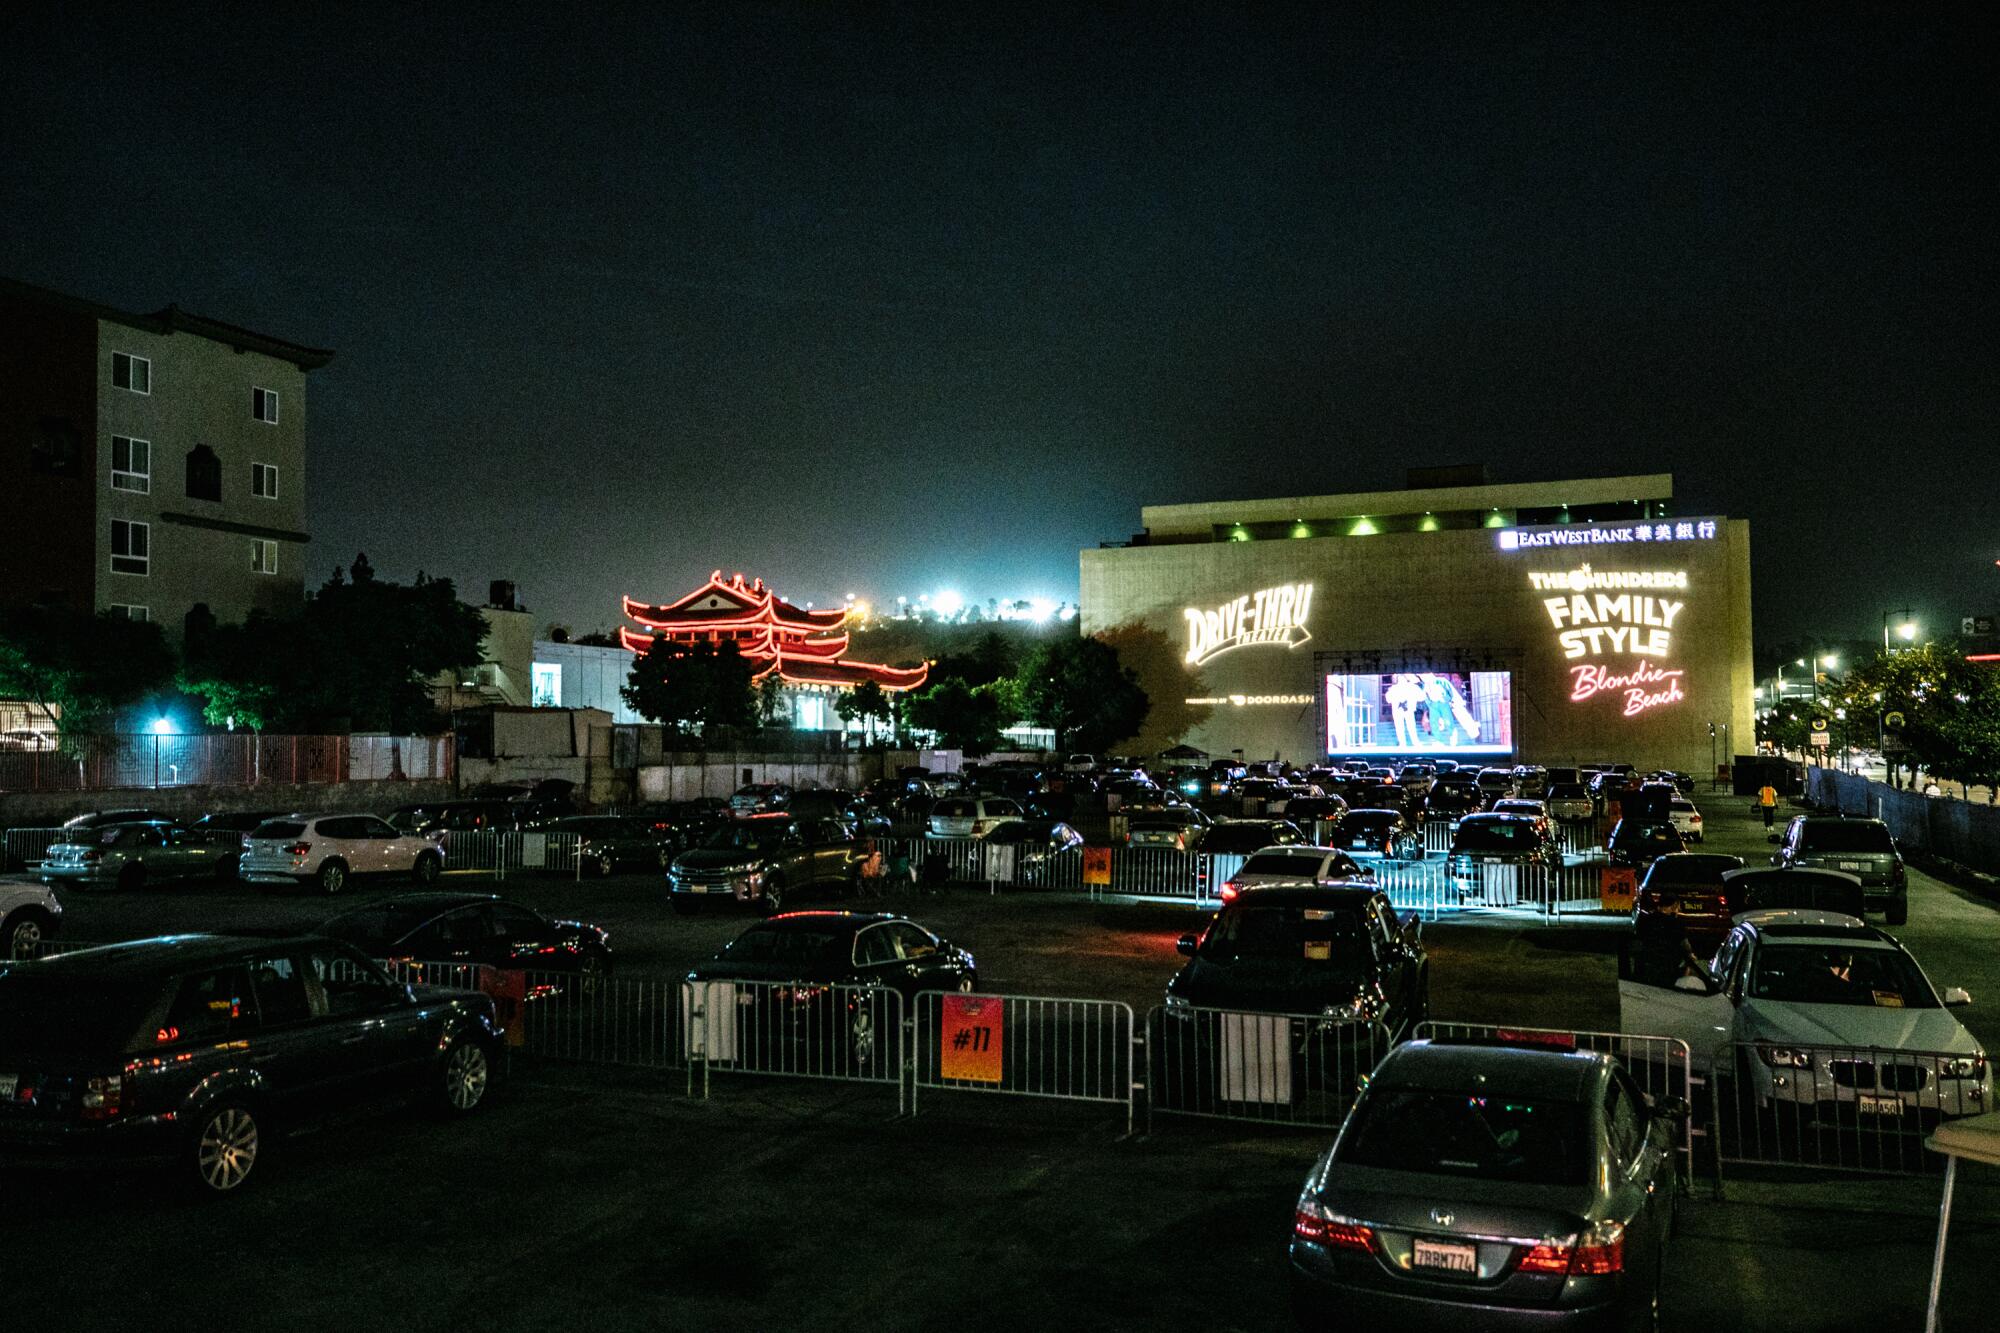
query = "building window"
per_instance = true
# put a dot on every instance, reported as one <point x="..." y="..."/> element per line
<point x="130" y="547"/>
<point x="545" y="684"/>
<point x="131" y="464"/>
<point x="130" y="612"/>
<point x="264" y="405"/>
<point x="204" y="474"/>
<point x="263" y="557"/>
<point x="131" y="372"/>
<point x="264" y="480"/>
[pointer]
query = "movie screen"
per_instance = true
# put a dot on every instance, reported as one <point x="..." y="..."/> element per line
<point x="1414" y="712"/>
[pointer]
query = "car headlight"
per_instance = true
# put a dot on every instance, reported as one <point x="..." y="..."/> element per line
<point x="754" y="880"/>
<point x="1784" y="1057"/>
<point x="1963" y="1066"/>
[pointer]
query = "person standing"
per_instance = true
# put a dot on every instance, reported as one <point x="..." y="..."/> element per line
<point x="1767" y="800"/>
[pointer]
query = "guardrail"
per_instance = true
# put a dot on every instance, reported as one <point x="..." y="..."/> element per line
<point x="1023" y="1046"/>
<point x="795" y="1029"/>
<point x="1291" y="1069"/>
<point x="1839" y="1108"/>
<point x="24" y="848"/>
<point x="1661" y="1066"/>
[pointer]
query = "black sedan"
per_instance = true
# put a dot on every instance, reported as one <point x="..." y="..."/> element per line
<point x="810" y="993"/>
<point x="607" y="844"/>
<point x="473" y="928"/>
<point x="1487" y="1187"/>
<point x="1379" y="833"/>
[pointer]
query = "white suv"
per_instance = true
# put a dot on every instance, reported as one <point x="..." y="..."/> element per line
<point x="329" y="850"/>
<point x="29" y="915"/>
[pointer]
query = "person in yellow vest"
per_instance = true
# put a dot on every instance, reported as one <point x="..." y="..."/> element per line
<point x="1767" y="799"/>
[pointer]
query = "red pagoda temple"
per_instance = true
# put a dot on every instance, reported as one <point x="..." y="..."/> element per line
<point x="804" y="647"/>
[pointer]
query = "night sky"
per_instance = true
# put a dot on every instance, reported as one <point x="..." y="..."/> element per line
<point x="875" y="300"/>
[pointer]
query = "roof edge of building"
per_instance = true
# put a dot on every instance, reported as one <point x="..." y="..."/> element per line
<point x="173" y="319"/>
<point x="1180" y="519"/>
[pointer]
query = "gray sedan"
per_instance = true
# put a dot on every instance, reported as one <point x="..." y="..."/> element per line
<point x="1482" y="1186"/>
<point x="130" y="856"/>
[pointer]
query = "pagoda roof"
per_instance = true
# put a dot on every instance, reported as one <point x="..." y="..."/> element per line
<point x="727" y="604"/>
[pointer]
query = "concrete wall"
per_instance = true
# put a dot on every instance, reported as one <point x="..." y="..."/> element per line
<point x="1428" y="597"/>
<point x="685" y="776"/>
<point x="46" y="809"/>
<point x="591" y="676"/>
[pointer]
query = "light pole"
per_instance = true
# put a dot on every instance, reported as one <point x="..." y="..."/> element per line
<point x="1906" y="630"/>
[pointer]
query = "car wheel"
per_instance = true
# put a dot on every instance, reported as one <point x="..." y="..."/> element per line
<point x="332" y="877"/>
<point x="427" y="869"/>
<point x="225" y="1148"/>
<point x="464" y="1077"/>
<point x="592" y="972"/>
<point x="132" y="878"/>
<point x="24" y="933"/>
<point x="1897" y="914"/>
<point x="967" y="984"/>
<point x="773" y="900"/>
<point x="605" y="866"/>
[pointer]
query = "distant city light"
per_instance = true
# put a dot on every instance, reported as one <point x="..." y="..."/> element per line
<point x="947" y="603"/>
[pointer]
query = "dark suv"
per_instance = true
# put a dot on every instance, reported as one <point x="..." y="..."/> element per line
<point x="1859" y="847"/>
<point x="199" y="1049"/>
<point x="763" y="860"/>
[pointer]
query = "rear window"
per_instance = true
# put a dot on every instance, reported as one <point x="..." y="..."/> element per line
<point x="1843" y="836"/>
<point x="784" y="946"/>
<point x="1494" y="836"/>
<point x="1518" y="1140"/>
<point x="1681" y="807"/>
<point x="1286" y="934"/>
<point x="70" y="1013"/>
<point x="1568" y="791"/>
<point x="1002" y="808"/>
<point x="380" y="924"/>
<point x="1292" y="865"/>
<point x="953" y="809"/>
<point x="276" y="829"/>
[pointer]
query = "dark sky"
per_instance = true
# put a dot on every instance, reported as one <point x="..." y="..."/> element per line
<point x="875" y="300"/>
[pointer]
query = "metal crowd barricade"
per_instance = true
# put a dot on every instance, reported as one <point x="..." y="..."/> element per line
<point x="1437" y="836"/>
<point x="603" y="1020"/>
<point x="1578" y="837"/>
<point x="792" y="1029"/>
<point x="1062" y="870"/>
<point x="1289" y="1069"/>
<point x="1157" y="872"/>
<point x="471" y="850"/>
<point x="26" y="848"/>
<point x="1416" y="886"/>
<point x="1023" y="1046"/>
<point x="1213" y="872"/>
<point x="1661" y="1066"/>
<point x="1839" y="1108"/>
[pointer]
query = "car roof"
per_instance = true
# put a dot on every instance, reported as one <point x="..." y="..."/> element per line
<point x="1768" y="917"/>
<point x="836" y="922"/>
<point x="1497" y="817"/>
<point x="438" y="900"/>
<point x="1307" y="895"/>
<point x="1789" y="873"/>
<point x="163" y="953"/>
<point x="1567" y="1075"/>
<point x="1864" y="935"/>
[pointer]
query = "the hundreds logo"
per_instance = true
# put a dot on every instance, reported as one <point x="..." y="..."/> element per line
<point x="1274" y="615"/>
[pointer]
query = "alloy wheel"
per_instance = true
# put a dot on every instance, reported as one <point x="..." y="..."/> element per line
<point x="465" y="1075"/>
<point x="25" y="940"/>
<point x="227" y="1149"/>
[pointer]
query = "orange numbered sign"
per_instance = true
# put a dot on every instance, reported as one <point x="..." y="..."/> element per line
<point x="1616" y="888"/>
<point x="970" y="1038"/>
<point x="1097" y="865"/>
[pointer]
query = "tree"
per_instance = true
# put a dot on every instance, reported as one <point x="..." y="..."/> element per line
<point x="691" y="687"/>
<point x="80" y="669"/>
<point x="366" y="649"/>
<point x="1078" y="689"/>
<point x="1950" y="708"/>
<point x="771" y="707"/>
<point x="865" y="703"/>
<point x="963" y="717"/>
<point x="239" y="672"/>
<point x="1169" y="683"/>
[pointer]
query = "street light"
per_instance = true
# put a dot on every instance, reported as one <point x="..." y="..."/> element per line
<point x="1906" y="630"/>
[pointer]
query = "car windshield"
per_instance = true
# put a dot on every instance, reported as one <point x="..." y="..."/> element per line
<point x="1803" y="889"/>
<point x="1518" y="1140"/>
<point x="1841" y="836"/>
<point x="1840" y="974"/>
<point x="1568" y="791"/>
<point x="1230" y="838"/>
<point x="1494" y="835"/>
<point x="799" y="947"/>
<point x="66" y="1014"/>
<point x="747" y="837"/>
<point x="1285" y="865"/>
<point x="279" y="828"/>
<point x="1270" y="933"/>
<point x="1682" y="868"/>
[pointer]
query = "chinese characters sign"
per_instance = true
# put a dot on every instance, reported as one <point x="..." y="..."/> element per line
<point x="1271" y="615"/>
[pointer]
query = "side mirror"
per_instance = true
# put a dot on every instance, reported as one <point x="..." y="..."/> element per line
<point x="1693" y="985"/>
<point x="1187" y="944"/>
<point x="1672" y="1108"/>
<point x="1956" y="997"/>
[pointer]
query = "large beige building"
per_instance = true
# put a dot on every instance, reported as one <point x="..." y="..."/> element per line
<point x="1558" y="622"/>
<point x="149" y="463"/>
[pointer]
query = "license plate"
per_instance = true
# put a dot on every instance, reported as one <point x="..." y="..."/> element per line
<point x="694" y="888"/>
<point x="8" y="1082"/>
<point x="1493" y="860"/>
<point x="1879" y="1105"/>
<point x="1853" y="865"/>
<point x="1450" y="1258"/>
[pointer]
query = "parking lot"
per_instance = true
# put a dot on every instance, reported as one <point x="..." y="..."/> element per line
<point x="593" y="1194"/>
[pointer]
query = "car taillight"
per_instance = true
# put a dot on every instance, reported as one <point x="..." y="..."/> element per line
<point x="1312" y="1223"/>
<point x="90" y="854"/>
<point x="298" y="849"/>
<point x="1593" y="1254"/>
<point x="1229" y="892"/>
<point x="102" y="1097"/>
<point x="979" y="827"/>
<point x="1180" y="842"/>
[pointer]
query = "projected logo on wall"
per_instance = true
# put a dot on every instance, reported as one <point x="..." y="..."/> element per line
<point x="1605" y="612"/>
<point x="1271" y="615"/>
<point x="1410" y="711"/>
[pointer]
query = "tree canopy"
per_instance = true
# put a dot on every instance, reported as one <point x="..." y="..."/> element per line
<point x="1078" y="689"/>
<point x="692" y="687"/>
<point x="80" y="669"/>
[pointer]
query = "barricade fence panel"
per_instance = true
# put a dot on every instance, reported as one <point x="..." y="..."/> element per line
<point x="1841" y="1108"/>
<point x="1291" y="1069"/>
<point x="25" y="848"/>
<point x="1026" y="1046"/>
<point x="794" y="1029"/>
<point x="603" y="1020"/>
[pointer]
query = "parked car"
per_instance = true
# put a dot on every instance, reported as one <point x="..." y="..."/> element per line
<point x="105" y="818"/>
<point x="1180" y="829"/>
<point x="1786" y="985"/>
<point x="1496" y="782"/>
<point x="1570" y="801"/>
<point x="607" y="844"/>
<point x="1485" y="1186"/>
<point x="477" y="928"/>
<point x="440" y="820"/>
<point x="1681" y="813"/>
<point x="827" y="803"/>
<point x="764" y="860"/>
<point x="1524" y="806"/>
<point x="199" y="1050"/>
<point x="1530" y="779"/>
<point x="1637" y="843"/>
<point x="30" y="917"/>
<point x="972" y="816"/>
<point x="1683" y="907"/>
<point x="1299" y="864"/>
<point x="1338" y="951"/>
<point x="756" y="798"/>
<point x="1039" y="843"/>
<point x="230" y="831"/>
<point x="1305" y="811"/>
<point x="129" y="856"/>
<point x="1763" y="889"/>
<point x="1859" y="847"/>
<point x="1451" y="800"/>
<point x="1371" y="832"/>
<point x="1240" y="837"/>
<point x="679" y="825"/>
<point x="1484" y="841"/>
<point x="331" y="851"/>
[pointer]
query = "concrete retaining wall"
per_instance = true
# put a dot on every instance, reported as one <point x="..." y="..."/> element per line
<point x="46" y="809"/>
